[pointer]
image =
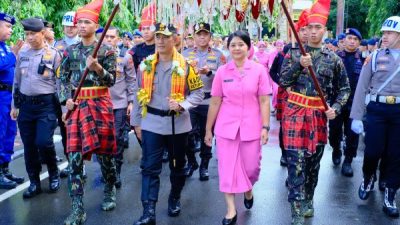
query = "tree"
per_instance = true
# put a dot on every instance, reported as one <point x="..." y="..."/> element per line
<point x="378" y="12"/>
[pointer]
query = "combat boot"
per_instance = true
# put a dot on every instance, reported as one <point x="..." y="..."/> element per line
<point x="204" y="176"/>
<point x="5" y="183"/>
<point x="174" y="206"/>
<point x="34" y="187"/>
<point x="149" y="214"/>
<point x="366" y="187"/>
<point x="78" y="214"/>
<point x="7" y="173"/>
<point x="336" y="156"/>
<point x="109" y="198"/>
<point x="190" y="168"/>
<point x="308" y="208"/>
<point x="389" y="203"/>
<point x="297" y="213"/>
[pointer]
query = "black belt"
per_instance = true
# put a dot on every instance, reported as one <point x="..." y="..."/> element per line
<point x="37" y="99"/>
<point x="5" y="87"/>
<point x="160" y="112"/>
<point x="207" y="95"/>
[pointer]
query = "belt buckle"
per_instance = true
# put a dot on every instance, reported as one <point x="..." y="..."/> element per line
<point x="390" y="99"/>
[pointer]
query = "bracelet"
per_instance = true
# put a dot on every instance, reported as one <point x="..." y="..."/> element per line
<point x="266" y="127"/>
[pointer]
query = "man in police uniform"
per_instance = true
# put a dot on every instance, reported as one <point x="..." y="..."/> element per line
<point x="341" y="41"/>
<point x="121" y="95"/>
<point x="35" y="104"/>
<point x="353" y="62"/>
<point x="8" y="128"/>
<point x="166" y="94"/>
<point x="70" y="37"/>
<point x="137" y="37"/>
<point x="379" y="87"/>
<point x="70" y="32"/>
<point x="189" y="42"/>
<point x="126" y="44"/>
<point x="206" y="60"/>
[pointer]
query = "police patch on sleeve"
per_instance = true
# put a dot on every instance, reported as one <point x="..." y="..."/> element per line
<point x="193" y="80"/>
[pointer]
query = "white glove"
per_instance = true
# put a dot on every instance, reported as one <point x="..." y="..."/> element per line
<point x="357" y="126"/>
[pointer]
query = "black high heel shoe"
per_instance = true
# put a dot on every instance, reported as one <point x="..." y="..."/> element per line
<point x="231" y="221"/>
<point x="248" y="203"/>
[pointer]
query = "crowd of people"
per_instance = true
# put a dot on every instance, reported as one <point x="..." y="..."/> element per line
<point x="178" y="92"/>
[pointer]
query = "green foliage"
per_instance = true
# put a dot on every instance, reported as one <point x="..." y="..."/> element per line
<point x="379" y="11"/>
<point x="53" y="10"/>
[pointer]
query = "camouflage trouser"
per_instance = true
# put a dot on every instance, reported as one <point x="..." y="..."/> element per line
<point x="303" y="174"/>
<point x="75" y="180"/>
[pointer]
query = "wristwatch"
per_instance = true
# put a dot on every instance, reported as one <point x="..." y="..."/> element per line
<point x="266" y="127"/>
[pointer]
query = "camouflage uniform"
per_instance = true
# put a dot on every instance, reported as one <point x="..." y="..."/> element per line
<point x="92" y="114"/>
<point x="304" y="127"/>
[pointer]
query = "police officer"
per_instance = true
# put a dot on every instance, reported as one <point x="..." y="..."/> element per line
<point x="169" y="89"/>
<point x="353" y="62"/>
<point x="121" y="95"/>
<point x="206" y="60"/>
<point x="379" y="87"/>
<point x="8" y="127"/>
<point x="127" y="38"/>
<point x="137" y="37"/>
<point x="70" y="32"/>
<point x="35" y="105"/>
<point x="189" y="42"/>
<point x="341" y="42"/>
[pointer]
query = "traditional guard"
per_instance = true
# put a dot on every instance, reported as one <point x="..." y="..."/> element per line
<point x="90" y="128"/>
<point x="304" y="121"/>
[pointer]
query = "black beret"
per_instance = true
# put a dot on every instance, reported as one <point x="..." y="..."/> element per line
<point x="32" y="24"/>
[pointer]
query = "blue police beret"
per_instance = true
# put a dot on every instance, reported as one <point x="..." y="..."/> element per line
<point x="100" y="30"/>
<point x="355" y="32"/>
<point x="128" y="35"/>
<point x="32" y="24"/>
<point x="136" y="32"/>
<point x="364" y="42"/>
<point x="371" y="41"/>
<point x="7" y="18"/>
<point x="341" y="36"/>
<point x="335" y="43"/>
<point x="327" y="41"/>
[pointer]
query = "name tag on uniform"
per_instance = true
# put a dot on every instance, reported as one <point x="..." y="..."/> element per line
<point x="228" y="80"/>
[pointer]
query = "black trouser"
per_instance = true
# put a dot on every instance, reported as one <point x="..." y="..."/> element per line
<point x="281" y="145"/>
<point x="37" y="122"/>
<point x="383" y="133"/>
<point x="63" y="129"/>
<point x="198" y="118"/>
<point x="119" y="123"/>
<point x="153" y="146"/>
<point x="336" y="134"/>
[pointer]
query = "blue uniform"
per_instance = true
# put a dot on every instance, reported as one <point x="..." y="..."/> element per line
<point x="8" y="128"/>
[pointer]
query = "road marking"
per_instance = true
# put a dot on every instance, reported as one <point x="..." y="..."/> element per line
<point x="25" y="185"/>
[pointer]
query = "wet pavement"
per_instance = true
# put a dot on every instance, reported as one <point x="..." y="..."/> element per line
<point x="336" y="200"/>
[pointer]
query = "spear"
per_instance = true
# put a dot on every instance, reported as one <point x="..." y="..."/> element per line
<point x="303" y="52"/>
<point x="94" y="55"/>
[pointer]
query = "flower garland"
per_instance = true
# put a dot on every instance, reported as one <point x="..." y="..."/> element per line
<point x="148" y="68"/>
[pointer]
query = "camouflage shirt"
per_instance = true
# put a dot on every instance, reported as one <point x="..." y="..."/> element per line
<point x="330" y="73"/>
<point x="74" y="64"/>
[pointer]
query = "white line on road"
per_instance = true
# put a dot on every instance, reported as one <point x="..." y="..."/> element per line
<point x="25" y="185"/>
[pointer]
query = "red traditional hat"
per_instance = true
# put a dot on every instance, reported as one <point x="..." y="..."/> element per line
<point x="319" y="12"/>
<point x="302" y="22"/>
<point x="90" y="11"/>
<point x="148" y="16"/>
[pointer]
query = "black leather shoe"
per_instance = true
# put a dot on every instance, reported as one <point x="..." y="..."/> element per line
<point x="204" y="175"/>
<point x="336" y="157"/>
<point x="174" y="206"/>
<point x="248" y="203"/>
<point x="33" y="190"/>
<point x="365" y="189"/>
<point x="283" y="161"/>
<point x="54" y="183"/>
<point x="7" y="173"/>
<point x="230" y="221"/>
<point x="389" y="203"/>
<point x="190" y="168"/>
<point x="149" y="214"/>
<point x="347" y="171"/>
<point x="5" y="183"/>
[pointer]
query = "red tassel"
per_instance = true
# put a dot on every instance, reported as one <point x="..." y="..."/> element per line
<point x="240" y="16"/>
<point x="271" y="5"/>
<point x="255" y="9"/>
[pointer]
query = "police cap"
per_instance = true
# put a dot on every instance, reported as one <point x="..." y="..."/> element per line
<point x="7" y="18"/>
<point x="372" y="41"/>
<point x="168" y="30"/>
<point x="355" y="32"/>
<point x="364" y="42"/>
<point x="202" y="26"/>
<point x="32" y="24"/>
